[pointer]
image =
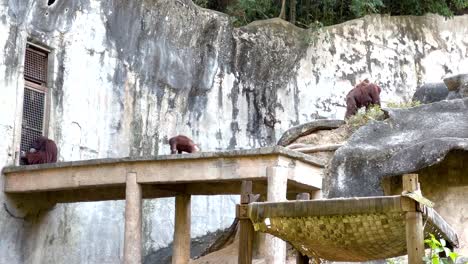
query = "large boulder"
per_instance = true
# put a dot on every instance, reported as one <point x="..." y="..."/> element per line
<point x="296" y="132"/>
<point x="409" y="140"/>
<point x="431" y="92"/>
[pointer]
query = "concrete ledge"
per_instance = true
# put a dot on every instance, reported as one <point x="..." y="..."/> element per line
<point x="205" y="173"/>
<point x="201" y="155"/>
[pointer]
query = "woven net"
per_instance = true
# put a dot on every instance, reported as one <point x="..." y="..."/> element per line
<point x="359" y="237"/>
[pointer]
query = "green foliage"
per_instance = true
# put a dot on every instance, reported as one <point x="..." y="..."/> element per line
<point x="202" y="3"/>
<point x="329" y="12"/>
<point x="403" y="104"/>
<point x="363" y="7"/>
<point x="362" y="117"/>
<point x="246" y="11"/>
<point x="439" y="246"/>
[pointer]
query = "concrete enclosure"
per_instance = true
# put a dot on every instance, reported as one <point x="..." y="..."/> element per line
<point x="124" y="76"/>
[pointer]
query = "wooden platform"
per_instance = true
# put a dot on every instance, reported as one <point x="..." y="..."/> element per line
<point x="353" y="229"/>
<point x="205" y="173"/>
<point x="275" y="171"/>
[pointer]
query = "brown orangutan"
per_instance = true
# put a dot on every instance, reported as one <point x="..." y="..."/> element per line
<point x="43" y="150"/>
<point x="365" y="94"/>
<point x="181" y="144"/>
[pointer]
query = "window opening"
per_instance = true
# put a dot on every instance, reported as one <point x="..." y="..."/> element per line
<point x="35" y="96"/>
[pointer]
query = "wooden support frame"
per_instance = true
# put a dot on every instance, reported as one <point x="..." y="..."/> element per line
<point x="133" y="215"/>
<point x="275" y="248"/>
<point x="181" y="248"/>
<point x="414" y="222"/>
<point x="246" y="232"/>
<point x="302" y="259"/>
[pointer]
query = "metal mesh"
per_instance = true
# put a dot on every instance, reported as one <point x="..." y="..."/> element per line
<point x="35" y="66"/>
<point x="33" y="117"/>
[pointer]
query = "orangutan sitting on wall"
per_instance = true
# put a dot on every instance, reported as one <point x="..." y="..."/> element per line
<point x="181" y="144"/>
<point x="43" y="150"/>
<point x="364" y="94"/>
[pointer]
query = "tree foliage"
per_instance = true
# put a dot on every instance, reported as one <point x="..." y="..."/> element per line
<point x="329" y="12"/>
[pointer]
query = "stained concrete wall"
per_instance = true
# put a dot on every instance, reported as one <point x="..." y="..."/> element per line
<point x="126" y="75"/>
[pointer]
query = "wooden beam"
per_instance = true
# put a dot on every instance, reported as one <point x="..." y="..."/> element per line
<point x="275" y="248"/>
<point x="302" y="259"/>
<point x="326" y="207"/>
<point x="414" y="223"/>
<point x="133" y="201"/>
<point x="320" y="148"/>
<point x="246" y="232"/>
<point x="181" y="248"/>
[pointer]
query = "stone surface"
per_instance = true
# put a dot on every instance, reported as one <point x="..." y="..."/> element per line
<point x="458" y="86"/>
<point x="430" y="93"/>
<point x="431" y="140"/>
<point x="408" y="141"/>
<point x="305" y="129"/>
<point x="127" y="75"/>
<point x="454" y="82"/>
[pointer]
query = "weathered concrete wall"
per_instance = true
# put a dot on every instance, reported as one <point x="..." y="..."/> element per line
<point x="128" y="74"/>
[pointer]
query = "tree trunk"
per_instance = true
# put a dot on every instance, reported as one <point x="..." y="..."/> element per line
<point x="292" y="11"/>
<point x="283" y="10"/>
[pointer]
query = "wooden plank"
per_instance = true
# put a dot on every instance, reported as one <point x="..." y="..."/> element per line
<point x="446" y="230"/>
<point x="320" y="148"/>
<point x="414" y="223"/>
<point x="132" y="238"/>
<point x="302" y="259"/>
<point x="181" y="248"/>
<point x="414" y="237"/>
<point x="325" y="207"/>
<point x="246" y="232"/>
<point x="275" y="248"/>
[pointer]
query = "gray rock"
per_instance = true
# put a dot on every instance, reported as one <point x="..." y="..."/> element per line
<point x="453" y="95"/>
<point x="409" y="140"/>
<point x="197" y="247"/>
<point x="454" y="82"/>
<point x="430" y="93"/>
<point x="304" y="129"/>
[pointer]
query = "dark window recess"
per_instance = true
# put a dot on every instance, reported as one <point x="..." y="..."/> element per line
<point x="35" y="66"/>
<point x="35" y="94"/>
<point x="33" y="117"/>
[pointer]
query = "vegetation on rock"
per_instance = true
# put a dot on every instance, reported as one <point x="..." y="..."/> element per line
<point x="362" y="117"/>
<point x="304" y="13"/>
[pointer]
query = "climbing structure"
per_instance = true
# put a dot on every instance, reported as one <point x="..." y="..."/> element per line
<point x="355" y="229"/>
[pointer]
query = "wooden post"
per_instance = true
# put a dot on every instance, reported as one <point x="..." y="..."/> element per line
<point x="275" y="248"/>
<point x="246" y="230"/>
<point x="414" y="222"/>
<point x="181" y="246"/>
<point x="132" y="240"/>
<point x="301" y="259"/>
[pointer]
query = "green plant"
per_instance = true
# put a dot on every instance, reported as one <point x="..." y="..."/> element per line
<point x="362" y="117"/>
<point x="439" y="246"/>
<point x="403" y="104"/>
<point x="202" y="3"/>
<point x="364" y="7"/>
<point x="330" y="12"/>
<point x="245" y="11"/>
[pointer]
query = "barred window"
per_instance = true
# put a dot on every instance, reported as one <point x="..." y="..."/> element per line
<point x="35" y="96"/>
